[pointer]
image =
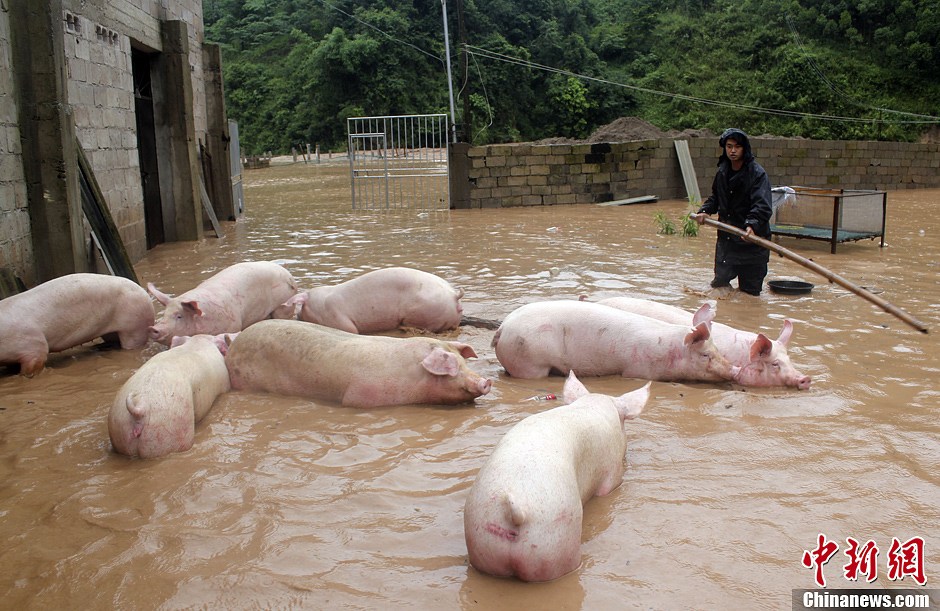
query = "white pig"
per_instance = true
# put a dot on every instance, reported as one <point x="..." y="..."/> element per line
<point x="238" y="296"/>
<point x="381" y="300"/>
<point x="156" y="411"/>
<point x="763" y="362"/>
<point x="523" y="514"/>
<point x="302" y="359"/>
<point x="68" y="311"/>
<point x="547" y="337"/>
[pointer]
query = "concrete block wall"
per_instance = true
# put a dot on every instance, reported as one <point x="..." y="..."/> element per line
<point x="16" y="249"/>
<point x="101" y="93"/>
<point x="537" y="175"/>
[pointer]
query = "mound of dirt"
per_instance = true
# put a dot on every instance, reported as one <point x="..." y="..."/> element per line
<point x="629" y="129"/>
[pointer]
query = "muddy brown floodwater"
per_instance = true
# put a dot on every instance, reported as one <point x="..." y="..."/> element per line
<point x="289" y="503"/>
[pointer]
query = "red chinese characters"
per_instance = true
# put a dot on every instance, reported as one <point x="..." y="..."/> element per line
<point x="907" y="559"/>
<point x="819" y="557"/>
<point x="904" y="559"/>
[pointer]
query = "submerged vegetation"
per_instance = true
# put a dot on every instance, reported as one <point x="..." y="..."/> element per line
<point x="295" y="70"/>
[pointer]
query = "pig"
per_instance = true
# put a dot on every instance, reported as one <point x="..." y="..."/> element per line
<point x="381" y="300"/>
<point x="547" y="337"/>
<point x="229" y="301"/>
<point x="297" y="358"/>
<point x="156" y="411"/>
<point x="523" y="514"/>
<point x="763" y="362"/>
<point x="68" y="311"/>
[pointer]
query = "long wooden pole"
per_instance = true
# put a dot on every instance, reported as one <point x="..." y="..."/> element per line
<point x="822" y="271"/>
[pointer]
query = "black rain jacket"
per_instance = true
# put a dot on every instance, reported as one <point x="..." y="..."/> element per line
<point x="741" y="198"/>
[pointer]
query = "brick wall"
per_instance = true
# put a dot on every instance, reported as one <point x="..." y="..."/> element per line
<point x="535" y="174"/>
<point x="101" y="93"/>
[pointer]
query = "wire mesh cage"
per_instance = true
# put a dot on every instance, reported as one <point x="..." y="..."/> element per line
<point x="833" y="215"/>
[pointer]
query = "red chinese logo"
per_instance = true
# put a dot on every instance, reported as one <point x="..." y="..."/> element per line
<point x="904" y="559"/>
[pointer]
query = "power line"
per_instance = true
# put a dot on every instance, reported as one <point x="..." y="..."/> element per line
<point x="484" y="53"/>
<point x="836" y="90"/>
<point x="492" y="55"/>
<point x="382" y="32"/>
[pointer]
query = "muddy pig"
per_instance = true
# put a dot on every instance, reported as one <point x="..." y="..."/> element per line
<point x="229" y="301"/>
<point x="156" y="411"/>
<point x="381" y="300"/>
<point x="547" y="337"/>
<point x="68" y="311"/>
<point x="303" y="359"/>
<point x="523" y="515"/>
<point x="763" y="361"/>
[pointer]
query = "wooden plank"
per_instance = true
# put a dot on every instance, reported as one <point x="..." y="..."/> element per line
<point x="643" y="199"/>
<point x="9" y="284"/>
<point x="104" y="231"/>
<point x="207" y="206"/>
<point x="688" y="171"/>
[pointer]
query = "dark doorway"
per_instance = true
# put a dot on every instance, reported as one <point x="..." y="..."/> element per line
<point x="147" y="146"/>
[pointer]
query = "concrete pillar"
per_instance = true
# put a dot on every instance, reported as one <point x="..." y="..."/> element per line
<point x="217" y="135"/>
<point x="176" y="137"/>
<point x="47" y="131"/>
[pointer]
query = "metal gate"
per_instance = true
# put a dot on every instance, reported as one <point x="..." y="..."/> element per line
<point x="399" y="162"/>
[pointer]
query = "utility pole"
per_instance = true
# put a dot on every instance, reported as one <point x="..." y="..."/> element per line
<point x="465" y="90"/>
<point x="450" y="81"/>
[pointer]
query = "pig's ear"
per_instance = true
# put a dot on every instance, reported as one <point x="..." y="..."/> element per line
<point x="302" y="298"/>
<point x="631" y="405"/>
<point x="785" y="333"/>
<point x="465" y="350"/>
<point x="222" y="342"/>
<point x="761" y="347"/>
<point x="698" y="334"/>
<point x="192" y="308"/>
<point x="704" y="314"/>
<point x="159" y="296"/>
<point x="178" y="340"/>
<point x="441" y="362"/>
<point x="574" y="389"/>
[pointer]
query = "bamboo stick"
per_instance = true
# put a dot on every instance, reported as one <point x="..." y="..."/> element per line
<point x="822" y="271"/>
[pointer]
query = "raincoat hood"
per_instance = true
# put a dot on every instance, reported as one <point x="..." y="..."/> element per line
<point x="741" y="138"/>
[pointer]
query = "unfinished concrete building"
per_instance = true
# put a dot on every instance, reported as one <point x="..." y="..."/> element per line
<point x="131" y="88"/>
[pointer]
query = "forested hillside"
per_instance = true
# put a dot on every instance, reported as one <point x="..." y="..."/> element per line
<point x="295" y="70"/>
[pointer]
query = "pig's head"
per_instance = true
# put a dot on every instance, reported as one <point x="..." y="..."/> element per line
<point x="290" y="309"/>
<point x="705" y="362"/>
<point x="178" y="318"/>
<point x="137" y="430"/>
<point x="629" y="405"/>
<point x="452" y="380"/>
<point x="769" y="364"/>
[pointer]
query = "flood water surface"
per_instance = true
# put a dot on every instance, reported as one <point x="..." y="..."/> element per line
<point x="288" y="503"/>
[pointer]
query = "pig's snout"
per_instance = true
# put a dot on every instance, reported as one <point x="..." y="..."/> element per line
<point x="484" y="385"/>
<point x="804" y="382"/>
<point x="159" y="335"/>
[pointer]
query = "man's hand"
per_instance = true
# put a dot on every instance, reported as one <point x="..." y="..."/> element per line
<point x="699" y="217"/>
<point x="749" y="230"/>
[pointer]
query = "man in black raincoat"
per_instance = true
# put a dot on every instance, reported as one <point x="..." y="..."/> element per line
<point x="741" y="197"/>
